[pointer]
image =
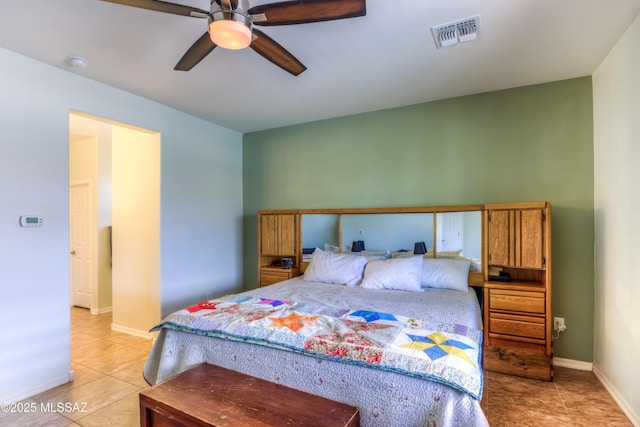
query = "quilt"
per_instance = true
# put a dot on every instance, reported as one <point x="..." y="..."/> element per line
<point x="445" y="353"/>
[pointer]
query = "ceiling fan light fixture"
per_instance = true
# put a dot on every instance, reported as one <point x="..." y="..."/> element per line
<point x="230" y="29"/>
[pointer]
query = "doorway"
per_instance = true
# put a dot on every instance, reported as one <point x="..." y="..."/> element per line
<point x="90" y="163"/>
<point x="121" y="166"/>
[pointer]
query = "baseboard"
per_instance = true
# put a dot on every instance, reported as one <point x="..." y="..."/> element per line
<point x="47" y="385"/>
<point x="573" y="364"/>
<point x="131" y="331"/>
<point x="624" y="405"/>
<point x="101" y="310"/>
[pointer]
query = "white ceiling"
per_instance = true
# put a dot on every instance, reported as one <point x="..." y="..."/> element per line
<point x="382" y="60"/>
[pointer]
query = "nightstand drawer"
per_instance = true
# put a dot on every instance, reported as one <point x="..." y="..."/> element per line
<point x="527" y="302"/>
<point x="528" y="327"/>
<point x="269" y="276"/>
<point x="267" y="279"/>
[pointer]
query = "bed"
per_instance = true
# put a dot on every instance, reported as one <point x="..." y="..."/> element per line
<point x="378" y="373"/>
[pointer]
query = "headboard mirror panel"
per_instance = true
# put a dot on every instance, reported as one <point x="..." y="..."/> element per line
<point x="319" y="230"/>
<point x="392" y="232"/>
<point x="459" y="233"/>
<point x="447" y="231"/>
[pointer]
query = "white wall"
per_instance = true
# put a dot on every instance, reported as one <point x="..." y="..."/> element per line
<point x="105" y="300"/>
<point x="616" y="98"/>
<point x="136" y="230"/>
<point x="201" y="211"/>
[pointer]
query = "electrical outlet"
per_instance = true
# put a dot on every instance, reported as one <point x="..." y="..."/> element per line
<point x="558" y="324"/>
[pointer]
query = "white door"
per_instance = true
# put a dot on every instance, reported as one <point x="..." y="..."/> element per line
<point x="81" y="245"/>
<point x="449" y="231"/>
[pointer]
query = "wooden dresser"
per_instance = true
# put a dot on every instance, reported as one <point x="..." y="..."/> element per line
<point x="517" y="313"/>
<point x="209" y="395"/>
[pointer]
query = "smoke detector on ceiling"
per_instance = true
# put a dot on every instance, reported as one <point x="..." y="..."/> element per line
<point x="456" y="32"/>
<point x="77" y="61"/>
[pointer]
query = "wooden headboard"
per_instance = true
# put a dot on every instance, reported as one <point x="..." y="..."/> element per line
<point x="285" y="233"/>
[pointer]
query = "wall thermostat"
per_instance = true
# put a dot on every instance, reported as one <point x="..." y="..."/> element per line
<point x="31" y="221"/>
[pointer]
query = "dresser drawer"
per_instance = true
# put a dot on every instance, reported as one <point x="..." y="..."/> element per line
<point x="521" y="301"/>
<point x="528" y="328"/>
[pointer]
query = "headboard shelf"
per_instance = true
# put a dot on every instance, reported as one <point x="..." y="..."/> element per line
<point x="407" y="209"/>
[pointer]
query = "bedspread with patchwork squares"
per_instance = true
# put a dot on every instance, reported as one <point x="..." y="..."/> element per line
<point x="446" y="353"/>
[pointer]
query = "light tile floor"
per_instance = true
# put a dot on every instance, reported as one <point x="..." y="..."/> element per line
<point x="107" y="368"/>
<point x="108" y="365"/>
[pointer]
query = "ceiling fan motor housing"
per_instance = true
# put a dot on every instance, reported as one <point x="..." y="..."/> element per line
<point x="225" y="15"/>
<point x="241" y="6"/>
<point x="221" y="29"/>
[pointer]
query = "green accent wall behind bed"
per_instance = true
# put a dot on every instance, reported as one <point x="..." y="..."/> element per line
<point x="532" y="143"/>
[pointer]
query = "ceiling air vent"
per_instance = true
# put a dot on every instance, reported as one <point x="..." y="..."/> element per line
<point x="456" y="32"/>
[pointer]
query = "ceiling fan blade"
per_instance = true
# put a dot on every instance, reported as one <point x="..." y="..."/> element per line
<point x="271" y="50"/>
<point x="302" y="12"/>
<point x="161" y="6"/>
<point x="196" y="53"/>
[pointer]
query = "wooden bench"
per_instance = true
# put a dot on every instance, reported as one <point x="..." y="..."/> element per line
<point x="209" y="395"/>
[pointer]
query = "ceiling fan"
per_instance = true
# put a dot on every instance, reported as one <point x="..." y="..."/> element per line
<point x="231" y="25"/>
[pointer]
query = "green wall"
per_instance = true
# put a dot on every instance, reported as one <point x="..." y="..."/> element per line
<point x="533" y="143"/>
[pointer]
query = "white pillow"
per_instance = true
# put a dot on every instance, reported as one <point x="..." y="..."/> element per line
<point x="341" y="269"/>
<point x="445" y="273"/>
<point x="401" y="274"/>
